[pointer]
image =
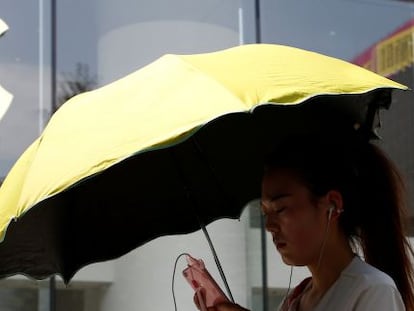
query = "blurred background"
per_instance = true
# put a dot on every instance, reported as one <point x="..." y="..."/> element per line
<point x="55" y="49"/>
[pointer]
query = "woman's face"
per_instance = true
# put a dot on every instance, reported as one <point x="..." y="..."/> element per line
<point x="296" y="220"/>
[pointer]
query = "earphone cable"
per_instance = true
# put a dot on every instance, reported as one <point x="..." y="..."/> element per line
<point x="323" y="244"/>
<point x="173" y="278"/>
<point x="290" y="284"/>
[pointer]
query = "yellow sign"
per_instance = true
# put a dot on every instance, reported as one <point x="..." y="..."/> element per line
<point x="392" y="54"/>
<point x="395" y="53"/>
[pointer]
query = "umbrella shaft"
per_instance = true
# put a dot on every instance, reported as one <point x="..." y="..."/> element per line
<point x="203" y="227"/>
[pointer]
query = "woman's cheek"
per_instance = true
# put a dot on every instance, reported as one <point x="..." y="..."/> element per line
<point x="303" y="234"/>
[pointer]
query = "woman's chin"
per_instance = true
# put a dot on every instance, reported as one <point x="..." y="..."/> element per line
<point x="293" y="261"/>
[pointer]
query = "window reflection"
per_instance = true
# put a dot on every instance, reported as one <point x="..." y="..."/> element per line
<point x="24" y="73"/>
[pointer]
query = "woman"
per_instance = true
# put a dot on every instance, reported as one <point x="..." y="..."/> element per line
<point x="326" y="200"/>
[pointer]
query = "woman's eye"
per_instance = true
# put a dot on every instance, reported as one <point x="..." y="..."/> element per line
<point x="272" y="209"/>
<point x="280" y="210"/>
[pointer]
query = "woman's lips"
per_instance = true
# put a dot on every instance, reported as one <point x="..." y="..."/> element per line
<point x="280" y="245"/>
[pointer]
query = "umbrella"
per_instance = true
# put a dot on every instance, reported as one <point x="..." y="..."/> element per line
<point x="169" y="148"/>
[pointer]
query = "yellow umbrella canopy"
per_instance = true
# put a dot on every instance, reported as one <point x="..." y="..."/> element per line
<point x="173" y="144"/>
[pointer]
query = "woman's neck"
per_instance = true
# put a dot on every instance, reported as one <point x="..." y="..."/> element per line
<point x="334" y="259"/>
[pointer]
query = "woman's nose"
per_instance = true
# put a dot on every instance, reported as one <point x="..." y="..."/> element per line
<point x="271" y="223"/>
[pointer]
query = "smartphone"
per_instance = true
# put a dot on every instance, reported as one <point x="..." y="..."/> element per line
<point x="198" y="277"/>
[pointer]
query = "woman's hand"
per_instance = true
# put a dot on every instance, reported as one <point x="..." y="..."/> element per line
<point x="227" y="306"/>
<point x="223" y="306"/>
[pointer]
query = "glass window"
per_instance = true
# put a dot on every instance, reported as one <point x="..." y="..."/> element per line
<point x="94" y="47"/>
<point x="25" y="73"/>
<point x="18" y="299"/>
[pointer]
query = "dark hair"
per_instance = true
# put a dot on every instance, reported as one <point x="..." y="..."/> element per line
<point x="373" y="192"/>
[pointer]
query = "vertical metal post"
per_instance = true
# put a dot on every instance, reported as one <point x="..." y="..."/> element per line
<point x="52" y="293"/>
<point x="265" y="293"/>
<point x="264" y="264"/>
<point x="257" y="21"/>
<point x="53" y="44"/>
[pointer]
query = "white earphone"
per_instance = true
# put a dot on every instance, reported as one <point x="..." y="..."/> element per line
<point x="332" y="208"/>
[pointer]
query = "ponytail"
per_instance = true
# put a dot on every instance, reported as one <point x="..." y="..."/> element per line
<point x="381" y="229"/>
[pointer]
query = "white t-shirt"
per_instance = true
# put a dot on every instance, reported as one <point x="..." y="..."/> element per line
<point x="361" y="287"/>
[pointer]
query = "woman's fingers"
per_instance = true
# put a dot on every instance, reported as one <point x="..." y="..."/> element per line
<point x="227" y="306"/>
<point x="199" y="299"/>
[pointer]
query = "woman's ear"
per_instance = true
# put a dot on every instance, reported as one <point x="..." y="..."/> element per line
<point x="334" y="202"/>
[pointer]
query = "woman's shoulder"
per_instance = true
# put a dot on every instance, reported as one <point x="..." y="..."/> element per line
<point x="362" y="287"/>
<point x="366" y="274"/>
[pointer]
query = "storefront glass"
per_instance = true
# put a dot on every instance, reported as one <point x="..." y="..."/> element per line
<point x="97" y="42"/>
